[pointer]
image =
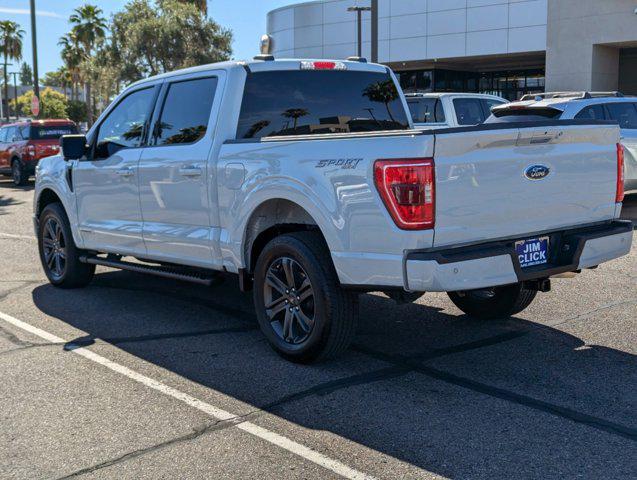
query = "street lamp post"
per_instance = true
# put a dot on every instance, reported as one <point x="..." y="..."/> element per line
<point x="375" y="31"/>
<point x="15" y="93"/>
<point x="34" y="41"/>
<point x="359" y="15"/>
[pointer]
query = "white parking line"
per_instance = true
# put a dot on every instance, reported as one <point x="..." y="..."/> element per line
<point x="19" y="237"/>
<point x="260" y="432"/>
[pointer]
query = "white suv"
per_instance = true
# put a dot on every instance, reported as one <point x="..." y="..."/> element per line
<point x="444" y="110"/>
<point x="608" y="106"/>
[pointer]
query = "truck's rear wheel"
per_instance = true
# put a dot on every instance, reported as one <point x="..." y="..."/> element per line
<point x="301" y="309"/>
<point x="59" y="256"/>
<point x="495" y="302"/>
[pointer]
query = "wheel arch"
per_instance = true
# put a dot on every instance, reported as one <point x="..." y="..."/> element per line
<point x="46" y="197"/>
<point x="270" y="219"/>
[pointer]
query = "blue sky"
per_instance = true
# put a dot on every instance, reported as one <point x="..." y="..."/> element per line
<point x="246" y="18"/>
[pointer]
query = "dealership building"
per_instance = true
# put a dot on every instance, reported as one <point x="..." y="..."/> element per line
<point x="503" y="47"/>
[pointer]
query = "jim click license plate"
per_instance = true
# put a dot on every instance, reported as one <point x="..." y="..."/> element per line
<point x="532" y="252"/>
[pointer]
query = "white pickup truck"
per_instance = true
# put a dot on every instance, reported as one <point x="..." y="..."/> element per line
<point x="307" y="179"/>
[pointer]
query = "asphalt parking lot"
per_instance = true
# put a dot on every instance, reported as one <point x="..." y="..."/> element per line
<point x="142" y="377"/>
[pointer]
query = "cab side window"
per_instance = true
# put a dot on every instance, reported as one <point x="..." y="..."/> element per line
<point x="11" y="134"/>
<point x="594" y="112"/>
<point x="3" y="134"/>
<point x="125" y="125"/>
<point x="624" y="113"/>
<point x="186" y="110"/>
<point x="468" y="111"/>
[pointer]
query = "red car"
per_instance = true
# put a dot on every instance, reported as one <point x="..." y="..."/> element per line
<point x="22" y="144"/>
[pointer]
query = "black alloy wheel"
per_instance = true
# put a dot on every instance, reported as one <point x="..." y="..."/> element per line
<point x="289" y="300"/>
<point x="54" y="248"/>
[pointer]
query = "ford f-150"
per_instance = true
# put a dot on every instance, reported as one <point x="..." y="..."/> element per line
<point x="307" y="179"/>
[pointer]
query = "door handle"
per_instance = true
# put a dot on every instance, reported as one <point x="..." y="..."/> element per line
<point x="125" y="172"/>
<point x="190" y="171"/>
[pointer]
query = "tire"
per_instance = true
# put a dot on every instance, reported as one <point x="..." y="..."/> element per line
<point x="59" y="256"/>
<point x="320" y="314"/>
<point x="497" y="302"/>
<point x="19" y="173"/>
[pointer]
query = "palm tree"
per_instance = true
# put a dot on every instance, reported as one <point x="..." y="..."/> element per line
<point x="295" y="113"/>
<point x="72" y="55"/>
<point x="11" y="48"/>
<point x="382" y="92"/>
<point x="89" y="27"/>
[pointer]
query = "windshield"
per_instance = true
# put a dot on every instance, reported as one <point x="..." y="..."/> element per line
<point x="51" y="132"/>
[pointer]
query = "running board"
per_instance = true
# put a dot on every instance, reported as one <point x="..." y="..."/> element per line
<point x="165" y="272"/>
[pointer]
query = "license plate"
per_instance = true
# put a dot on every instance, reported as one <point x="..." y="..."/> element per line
<point x="532" y="252"/>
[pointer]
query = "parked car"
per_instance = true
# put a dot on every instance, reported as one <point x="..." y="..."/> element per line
<point x="609" y="106"/>
<point x="23" y="144"/>
<point x="307" y="179"/>
<point x="440" y="110"/>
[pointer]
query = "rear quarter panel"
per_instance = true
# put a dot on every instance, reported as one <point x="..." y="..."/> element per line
<point x="332" y="179"/>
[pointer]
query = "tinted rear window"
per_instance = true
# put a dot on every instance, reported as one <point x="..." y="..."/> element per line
<point x="51" y="132"/>
<point x="514" y="115"/>
<point x="623" y="113"/>
<point x="593" y="112"/>
<point x="426" y="110"/>
<point x="313" y="102"/>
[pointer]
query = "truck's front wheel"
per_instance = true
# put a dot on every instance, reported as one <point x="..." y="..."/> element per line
<point x="495" y="302"/>
<point x="301" y="309"/>
<point x="59" y="256"/>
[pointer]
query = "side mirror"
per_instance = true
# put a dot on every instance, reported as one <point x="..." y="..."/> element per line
<point x="73" y="146"/>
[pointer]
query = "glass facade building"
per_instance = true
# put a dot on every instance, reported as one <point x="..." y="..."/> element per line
<point x="506" y="84"/>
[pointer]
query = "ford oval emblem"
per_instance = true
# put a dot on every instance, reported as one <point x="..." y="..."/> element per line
<point x="537" y="172"/>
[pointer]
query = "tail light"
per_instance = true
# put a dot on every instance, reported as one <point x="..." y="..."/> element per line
<point x="407" y="187"/>
<point x="619" y="197"/>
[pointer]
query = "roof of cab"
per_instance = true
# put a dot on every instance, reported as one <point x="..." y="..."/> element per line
<point x="256" y="65"/>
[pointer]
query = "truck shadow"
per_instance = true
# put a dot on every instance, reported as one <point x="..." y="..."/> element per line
<point x="6" y="199"/>
<point x="629" y="209"/>
<point x="444" y="393"/>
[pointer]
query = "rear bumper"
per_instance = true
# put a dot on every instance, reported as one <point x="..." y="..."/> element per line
<point x="496" y="263"/>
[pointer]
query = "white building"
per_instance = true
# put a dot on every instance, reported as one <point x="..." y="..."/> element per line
<point x="496" y="46"/>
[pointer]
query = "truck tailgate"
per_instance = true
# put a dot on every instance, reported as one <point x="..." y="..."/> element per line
<point x="483" y="191"/>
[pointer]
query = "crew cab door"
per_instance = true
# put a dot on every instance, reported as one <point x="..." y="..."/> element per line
<point x="175" y="176"/>
<point x="106" y="183"/>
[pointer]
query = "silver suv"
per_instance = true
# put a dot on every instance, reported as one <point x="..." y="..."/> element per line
<point x="609" y="106"/>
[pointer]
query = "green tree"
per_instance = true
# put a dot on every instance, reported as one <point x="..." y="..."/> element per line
<point x="89" y="28"/>
<point x="202" y="5"/>
<point x="149" y="38"/>
<point x="11" y="47"/>
<point x="53" y="104"/>
<point x="76" y="111"/>
<point x="26" y="74"/>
